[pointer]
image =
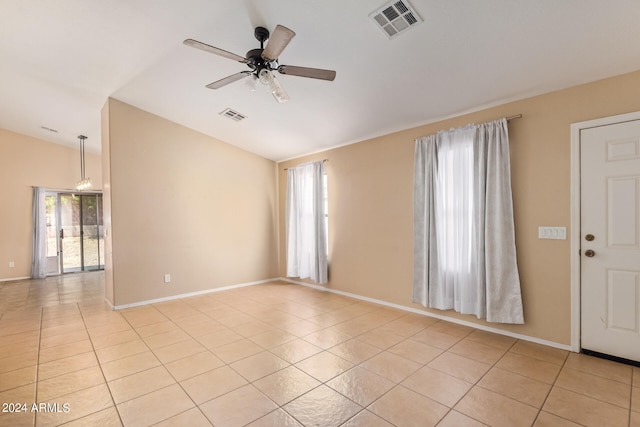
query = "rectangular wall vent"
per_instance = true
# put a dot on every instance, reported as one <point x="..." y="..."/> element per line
<point x="232" y="114"/>
<point x="395" y="18"/>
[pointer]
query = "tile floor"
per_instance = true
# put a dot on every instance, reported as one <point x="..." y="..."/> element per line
<point x="282" y="355"/>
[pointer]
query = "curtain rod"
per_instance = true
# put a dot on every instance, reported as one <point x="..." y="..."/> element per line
<point x="323" y="161"/>
<point x="517" y="116"/>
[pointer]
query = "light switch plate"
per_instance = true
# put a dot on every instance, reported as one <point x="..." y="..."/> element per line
<point x="554" y="233"/>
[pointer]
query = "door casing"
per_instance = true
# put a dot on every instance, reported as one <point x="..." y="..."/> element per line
<point x="576" y="128"/>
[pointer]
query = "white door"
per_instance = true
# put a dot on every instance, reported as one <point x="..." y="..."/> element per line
<point x="610" y="239"/>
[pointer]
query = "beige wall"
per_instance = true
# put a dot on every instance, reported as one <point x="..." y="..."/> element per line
<point x="185" y="204"/>
<point x="26" y="162"/>
<point x="371" y="202"/>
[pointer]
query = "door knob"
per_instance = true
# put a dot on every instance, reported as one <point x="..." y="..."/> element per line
<point x="589" y="237"/>
<point x="590" y="253"/>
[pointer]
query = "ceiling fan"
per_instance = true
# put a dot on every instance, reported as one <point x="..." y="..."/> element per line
<point x="264" y="61"/>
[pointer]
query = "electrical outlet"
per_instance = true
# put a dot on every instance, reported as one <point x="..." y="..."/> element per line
<point x="167" y="278"/>
<point x="12" y="264"/>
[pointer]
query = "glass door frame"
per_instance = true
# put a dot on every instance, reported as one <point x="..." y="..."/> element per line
<point x="60" y="230"/>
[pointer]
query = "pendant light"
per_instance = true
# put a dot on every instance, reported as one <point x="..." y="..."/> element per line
<point x="84" y="183"/>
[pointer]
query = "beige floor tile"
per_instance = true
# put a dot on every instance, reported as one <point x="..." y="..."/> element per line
<point x="380" y="338"/>
<point x="635" y="399"/>
<point x="212" y="384"/>
<point x="164" y="339"/>
<point x="114" y="338"/>
<point x="366" y="419"/>
<point x="252" y="328"/>
<point x="17" y="419"/>
<point x="438" y="386"/>
<point x="20" y="343"/>
<point x="634" y="420"/>
<point x="285" y="385"/>
<point x="64" y="339"/>
<point x="18" y="361"/>
<point x="120" y="351"/>
<point x="402" y="327"/>
<point x="157" y="328"/>
<point x="24" y="393"/>
<point x="360" y="385"/>
<point x="355" y="327"/>
<point x="136" y="385"/>
<point x="584" y="410"/>
<point x="502" y="342"/>
<point x="191" y="366"/>
<point x="51" y="330"/>
<point x="478" y="351"/>
<point x="59" y="352"/>
<point x="435" y="338"/>
<point x="326" y="338"/>
<point x="155" y="407"/>
<point x="600" y="367"/>
<point x="219" y="338"/>
<point x="129" y="365"/>
<point x="143" y="316"/>
<point x="277" y="418"/>
<point x="272" y="338"/>
<point x="451" y="328"/>
<point x="460" y="367"/>
<point x="416" y="351"/>
<point x="259" y="365"/>
<point x="105" y="418"/>
<point x="295" y="351"/>
<point x="191" y="418"/>
<point x="404" y="407"/>
<point x="456" y="419"/>
<point x="636" y="376"/>
<point x="355" y="351"/>
<point x="80" y="404"/>
<point x="66" y="365"/>
<point x="518" y="387"/>
<point x="546" y="419"/>
<point x="237" y="350"/>
<point x="594" y="386"/>
<point x="109" y="328"/>
<point x="178" y="350"/>
<point x="324" y="366"/>
<point x="238" y="408"/>
<point x="529" y="367"/>
<point x="496" y="410"/>
<point x="322" y="407"/>
<point x="541" y="352"/>
<point x="69" y="383"/>
<point x="391" y="366"/>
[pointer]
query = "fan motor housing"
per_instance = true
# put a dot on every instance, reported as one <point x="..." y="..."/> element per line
<point x="261" y="34"/>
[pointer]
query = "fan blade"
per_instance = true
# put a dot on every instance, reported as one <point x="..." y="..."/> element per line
<point x="229" y="79"/>
<point x="314" y="73"/>
<point x="277" y="42"/>
<point x="278" y="91"/>
<point x="212" y="49"/>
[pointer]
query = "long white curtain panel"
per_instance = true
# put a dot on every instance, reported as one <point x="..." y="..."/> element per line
<point x="464" y="238"/>
<point x="305" y="223"/>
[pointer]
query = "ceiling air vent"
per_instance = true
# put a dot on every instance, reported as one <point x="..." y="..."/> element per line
<point x="395" y="18"/>
<point x="233" y="115"/>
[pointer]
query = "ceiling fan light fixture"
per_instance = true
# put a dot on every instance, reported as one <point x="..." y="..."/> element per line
<point x="265" y="76"/>
<point x="251" y="81"/>
<point x="278" y="91"/>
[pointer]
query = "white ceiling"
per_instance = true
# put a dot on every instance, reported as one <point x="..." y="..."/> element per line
<point x="60" y="60"/>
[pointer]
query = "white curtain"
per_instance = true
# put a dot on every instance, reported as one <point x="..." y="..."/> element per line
<point x="464" y="238"/>
<point x="39" y="257"/>
<point x="305" y="223"/>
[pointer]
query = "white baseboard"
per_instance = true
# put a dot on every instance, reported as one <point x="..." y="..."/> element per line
<point x="190" y="294"/>
<point x="435" y="315"/>
<point x="11" y="279"/>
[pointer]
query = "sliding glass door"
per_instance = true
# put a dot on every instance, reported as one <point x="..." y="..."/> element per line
<point x="81" y="234"/>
